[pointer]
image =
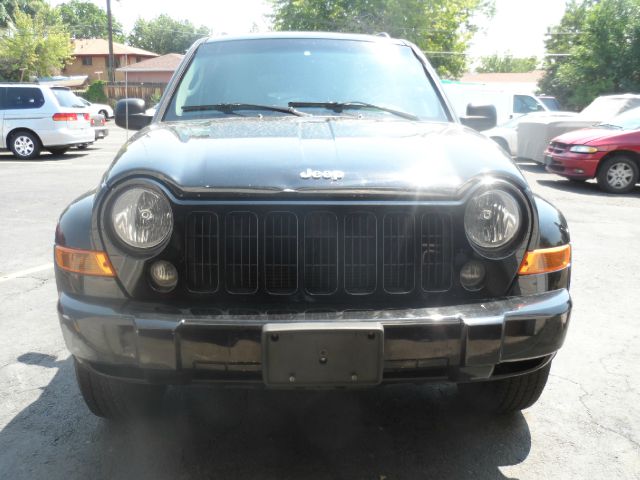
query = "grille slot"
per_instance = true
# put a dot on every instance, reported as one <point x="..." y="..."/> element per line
<point x="281" y="253"/>
<point x="399" y="257"/>
<point x="202" y="252"/>
<point x="435" y="251"/>
<point x="360" y="253"/>
<point x="241" y="252"/>
<point x="321" y="253"/>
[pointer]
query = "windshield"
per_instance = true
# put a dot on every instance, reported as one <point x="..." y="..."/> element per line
<point x="276" y="72"/>
<point x="629" y="120"/>
<point x="603" y="108"/>
<point x="66" y="98"/>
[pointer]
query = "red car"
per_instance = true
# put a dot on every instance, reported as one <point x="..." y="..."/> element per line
<point x="609" y="152"/>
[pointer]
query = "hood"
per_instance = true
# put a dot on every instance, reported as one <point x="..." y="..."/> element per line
<point x="297" y="155"/>
<point x="585" y="136"/>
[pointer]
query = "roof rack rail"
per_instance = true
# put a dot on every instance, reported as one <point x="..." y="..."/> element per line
<point x="383" y="34"/>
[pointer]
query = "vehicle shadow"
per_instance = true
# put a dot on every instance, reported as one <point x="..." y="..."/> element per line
<point x="583" y="188"/>
<point x="47" y="156"/>
<point x="392" y="432"/>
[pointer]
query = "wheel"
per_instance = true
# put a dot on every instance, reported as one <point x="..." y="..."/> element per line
<point x="58" y="150"/>
<point x="25" y="145"/>
<point x="83" y="146"/>
<point x="618" y="174"/>
<point x="503" y="144"/>
<point x="115" y="399"/>
<point x="507" y="395"/>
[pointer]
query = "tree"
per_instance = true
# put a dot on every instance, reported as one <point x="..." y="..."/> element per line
<point x="507" y="64"/>
<point x="86" y="20"/>
<point x="163" y="34"/>
<point x="38" y="45"/>
<point x="600" y="44"/>
<point x="8" y="9"/>
<point x="441" y="28"/>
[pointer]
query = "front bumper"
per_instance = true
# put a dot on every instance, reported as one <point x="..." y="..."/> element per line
<point x="461" y="343"/>
<point x="573" y="165"/>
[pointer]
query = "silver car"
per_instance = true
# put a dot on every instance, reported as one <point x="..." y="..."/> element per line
<point x="35" y="118"/>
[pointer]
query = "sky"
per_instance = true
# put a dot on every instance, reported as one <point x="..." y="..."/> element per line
<point x="518" y="26"/>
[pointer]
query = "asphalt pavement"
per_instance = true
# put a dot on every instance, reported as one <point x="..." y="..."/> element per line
<point x="586" y="424"/>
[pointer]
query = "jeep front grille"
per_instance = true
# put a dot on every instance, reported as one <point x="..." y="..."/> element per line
<point x="318" y="252"/>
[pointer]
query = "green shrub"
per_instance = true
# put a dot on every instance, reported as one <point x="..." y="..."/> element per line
<point x="95" y="92"/>
<point x="154" y="98"/>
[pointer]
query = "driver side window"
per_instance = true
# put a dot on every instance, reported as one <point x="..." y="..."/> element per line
<point x="525" y="104"/>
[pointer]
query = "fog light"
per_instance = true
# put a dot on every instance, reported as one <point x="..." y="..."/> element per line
<point x="472" y="275"/>
<point x="578" y="170"/>
<point x="164" y="275"/>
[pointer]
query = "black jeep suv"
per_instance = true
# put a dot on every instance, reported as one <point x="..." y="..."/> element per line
<point x="307" y="211"/>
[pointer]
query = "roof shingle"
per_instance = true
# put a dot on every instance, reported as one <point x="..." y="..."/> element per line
<point x="163" y="63"/>
<point x="100" y="46"/>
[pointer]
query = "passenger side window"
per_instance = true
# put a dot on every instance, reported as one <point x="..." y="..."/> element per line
<point x="23" y="97"/>
<point x="525" y="104"/>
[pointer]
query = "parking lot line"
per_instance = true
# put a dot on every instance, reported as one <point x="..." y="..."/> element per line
<point x="28" y="271"/>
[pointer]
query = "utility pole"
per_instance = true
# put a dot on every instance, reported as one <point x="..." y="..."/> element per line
<point x="110" y="28"/>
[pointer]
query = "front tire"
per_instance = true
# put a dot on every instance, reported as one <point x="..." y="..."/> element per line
<point x="25" y="145"/>
<point x="618" y="174"/>
<point x="115" y="399"/>
<point x="506" y="395"/>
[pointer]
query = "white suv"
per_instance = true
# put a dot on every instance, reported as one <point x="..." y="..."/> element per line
<point x="35" y="117"/>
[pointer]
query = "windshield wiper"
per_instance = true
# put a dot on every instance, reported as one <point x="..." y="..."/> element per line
<point x="233" y="107"/>
<point x="609" y="125"/>
<point x="341" y="106"/>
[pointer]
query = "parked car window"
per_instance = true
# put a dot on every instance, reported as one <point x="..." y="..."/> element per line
<point x="23" y="97"/>
<point x="551" y="103"/>
<point x="66" y="98"/>
<point x="279" y="71"/>
<point x="525" y="104"/>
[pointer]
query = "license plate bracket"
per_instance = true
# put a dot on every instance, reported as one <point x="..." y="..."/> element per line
<point x="322" y="354"/>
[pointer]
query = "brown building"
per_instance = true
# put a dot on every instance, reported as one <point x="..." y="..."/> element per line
<point x="92" y="57"/>
<point x="152" y="70"/>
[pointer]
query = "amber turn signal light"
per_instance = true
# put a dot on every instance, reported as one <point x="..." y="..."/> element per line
<point x="546" y="260"/>
<point x="86" y="262"/>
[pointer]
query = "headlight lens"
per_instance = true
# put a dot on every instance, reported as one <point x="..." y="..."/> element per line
<point x="583" y="149"/>
<point x="141" y="217"/>
<point x="492" y="219"/>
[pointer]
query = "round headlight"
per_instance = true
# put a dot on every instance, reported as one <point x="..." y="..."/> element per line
<point x="492" y="219"/>
<point x="141" y="217"/>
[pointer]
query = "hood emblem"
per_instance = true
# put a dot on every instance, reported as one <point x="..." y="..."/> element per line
<point x="332" y="175"/>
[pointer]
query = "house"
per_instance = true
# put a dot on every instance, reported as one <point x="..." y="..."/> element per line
<point x="153" y="70"/>
<point x="91" y="57"/>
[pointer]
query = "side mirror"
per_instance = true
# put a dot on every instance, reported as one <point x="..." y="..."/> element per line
<point x="480" y="117"/>
<point x="130" y="114"/>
